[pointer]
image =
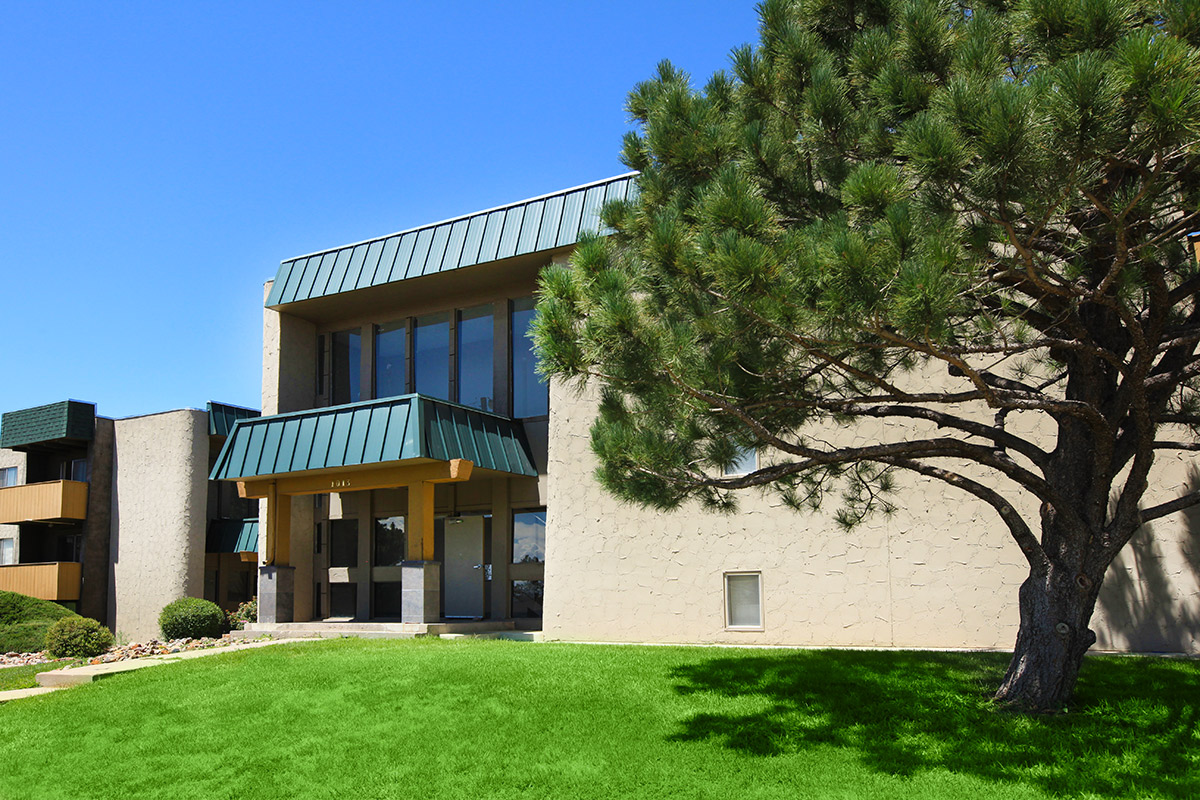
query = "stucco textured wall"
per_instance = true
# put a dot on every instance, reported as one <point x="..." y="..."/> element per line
<point x="940" y="572"/>
<point x="158" y="517"/>
<point x="289" y="361"/>
<point x="11" y="458"/>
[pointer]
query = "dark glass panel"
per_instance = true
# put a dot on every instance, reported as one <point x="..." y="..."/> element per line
<point x="343" y="543"/>
<point x="530" y="394"/>
<point x="389" y="542"/>
<point x="347" y="367"/>
<point x="475" y="329"/>
<point x="343" y="599"/>
<point x="527" y="599"/>
<point x="391" y="344"/>
<point x="387" y="599"/>
<point x="431" y="356"/>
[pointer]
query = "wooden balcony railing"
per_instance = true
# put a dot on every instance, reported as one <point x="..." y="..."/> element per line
<point x="43" y="502"/>
<point x="54" y="580"/>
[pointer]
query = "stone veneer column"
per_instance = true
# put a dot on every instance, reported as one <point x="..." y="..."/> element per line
<point x="419" y="592"/>
<point x="276" y="594"/>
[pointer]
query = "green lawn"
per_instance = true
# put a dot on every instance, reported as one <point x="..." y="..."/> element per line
<point x="469" y="719"/>
<point x="22" y="677"/>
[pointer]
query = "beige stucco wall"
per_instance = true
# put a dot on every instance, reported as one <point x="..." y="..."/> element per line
<point x="289" y="366"/>
<point x="289" y="373"/>
<point x="12" y="458"/>
<point x="940" y="572"/>
<point x="158" y="517"/>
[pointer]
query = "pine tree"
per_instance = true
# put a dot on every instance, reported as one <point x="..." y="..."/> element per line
<point x="949" y="215"/>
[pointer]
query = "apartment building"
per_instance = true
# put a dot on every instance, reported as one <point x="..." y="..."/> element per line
<point x="415" y="470"/>
<point x="117" y="517"/>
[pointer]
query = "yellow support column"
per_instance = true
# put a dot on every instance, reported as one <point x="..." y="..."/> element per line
<point x="278" y="550"/>
<point x="282" y="523"/>
<point x="420" y="521"/>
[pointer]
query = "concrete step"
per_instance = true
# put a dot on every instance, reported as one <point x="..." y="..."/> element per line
<point x="19" y="694"/>
<point x="511" y="636"/>
<point x="334" y="629"/>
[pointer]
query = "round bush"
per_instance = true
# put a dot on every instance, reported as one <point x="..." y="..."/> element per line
<point x="191" y="618"/>
<point x="77" y="637"/>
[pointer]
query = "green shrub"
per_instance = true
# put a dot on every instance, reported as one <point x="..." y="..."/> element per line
<point x="191" y="618"/>
<point x="24" y="621"/>
<point x="77" y="637"/>
<point x="246" y="612"/>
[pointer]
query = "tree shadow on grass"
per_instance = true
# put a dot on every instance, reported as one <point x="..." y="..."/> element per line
<point x="1133" y="730"/>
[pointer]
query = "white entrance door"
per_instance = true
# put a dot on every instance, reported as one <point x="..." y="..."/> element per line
<point x="464" y="567"/>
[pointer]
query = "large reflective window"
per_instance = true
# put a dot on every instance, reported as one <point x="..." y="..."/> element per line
<point x="389" y="542"/>
<point x="347" y="367"/>
<point x="527" y="599"/>
<point x="431" y="355"/>
<point x="391" y="342"/>
<point x="530" y="393"/>
<point x="475" y="326"/>
<point x="529" y="537"/>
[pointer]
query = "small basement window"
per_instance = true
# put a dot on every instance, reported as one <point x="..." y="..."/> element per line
<point x="743" y="600"/>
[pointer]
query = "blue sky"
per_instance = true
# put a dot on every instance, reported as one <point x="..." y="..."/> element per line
<point x="158" y="161"/>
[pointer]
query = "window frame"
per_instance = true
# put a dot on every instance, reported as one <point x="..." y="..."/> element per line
<point x="376" y="521"/>
<point x="727" y="596"/>
<point x="404" y="324"/>
<point x="448" y="318"/>
<point x="457" y="359"/>
<point x="5" y="473"/>
<point x="353" y="369"/>
<point x="512" y="553"/>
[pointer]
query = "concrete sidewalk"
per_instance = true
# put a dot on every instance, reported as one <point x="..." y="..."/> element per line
<point x="62" y="678"/>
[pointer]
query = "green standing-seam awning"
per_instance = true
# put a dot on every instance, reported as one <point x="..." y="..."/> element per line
<point x="529" y="226"/>
<point x="373" y="432"/>
<point x="221" y="417"/>
<point x="232" y="536"/>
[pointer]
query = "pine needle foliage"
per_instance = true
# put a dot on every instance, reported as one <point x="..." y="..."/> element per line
<point x="940" y="213"/>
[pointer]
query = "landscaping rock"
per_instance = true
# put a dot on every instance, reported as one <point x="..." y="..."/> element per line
<point x="123" y="652"/>
<point x="23" y="659"/>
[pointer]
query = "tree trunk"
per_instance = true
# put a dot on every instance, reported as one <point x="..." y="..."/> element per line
<point x="1051" y="642"/>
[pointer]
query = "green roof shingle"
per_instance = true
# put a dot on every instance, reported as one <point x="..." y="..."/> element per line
<point x="69" y="419"/>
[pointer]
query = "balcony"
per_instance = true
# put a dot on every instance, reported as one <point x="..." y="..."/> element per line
<point x="52" y="501"/>
<point x="54" y="580"/>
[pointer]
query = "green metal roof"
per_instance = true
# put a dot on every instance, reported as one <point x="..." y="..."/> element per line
<point x="221" y="417"/>
<point x="373" y="432"/>
<point x="232" y="536"/>
<point x="530" y="226"/>
<point x="69" y="419"/>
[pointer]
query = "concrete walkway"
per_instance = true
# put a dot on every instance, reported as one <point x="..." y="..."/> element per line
<point x="62" y="678"/>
